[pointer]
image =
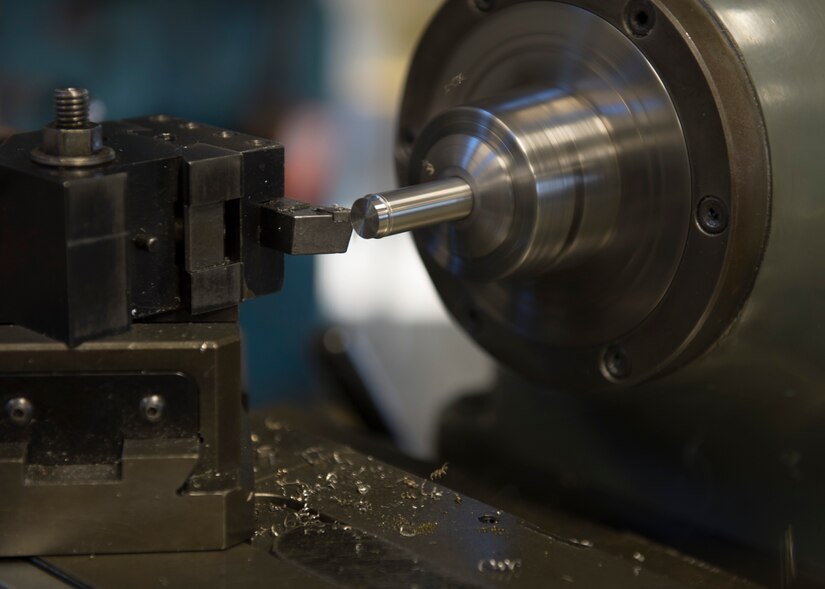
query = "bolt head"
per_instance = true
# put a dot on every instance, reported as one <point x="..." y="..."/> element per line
<point x="152" y="408"/>
<point x="146" y="242"/>
<point x="640" y="17"/>
<point x="712" y="215"/>
<point x="20" y="411"/>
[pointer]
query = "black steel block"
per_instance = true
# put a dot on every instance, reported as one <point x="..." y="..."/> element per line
<point x="204" y="232"/>
<point x="171" y="226"/>
<point x="63" y="260"/>
<point x="214" y="288"/>
<point x="88" y="473"/>
<point x="210" y="174"/>
<point x="298" y="228"/>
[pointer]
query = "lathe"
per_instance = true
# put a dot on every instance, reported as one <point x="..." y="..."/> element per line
<point x="619" y="200"/>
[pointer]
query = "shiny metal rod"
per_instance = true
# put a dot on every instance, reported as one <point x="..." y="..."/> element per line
<point x="379" y="215"/>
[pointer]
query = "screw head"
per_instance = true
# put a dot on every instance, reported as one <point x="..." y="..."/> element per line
<point x="146" y="242"/>
<point x="152" y="408"/>
<point x="712" y="215"/>
<point x="616" y="363"/>
<point x="639" y="17"/>
<point x="20" y="410"/>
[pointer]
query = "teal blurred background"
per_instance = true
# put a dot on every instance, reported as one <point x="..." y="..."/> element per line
<point x="242" y="65"/>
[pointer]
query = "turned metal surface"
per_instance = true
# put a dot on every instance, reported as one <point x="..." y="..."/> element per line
<point x="397" y="211"/>
<point x="534" y="179"/>
<point x="620" y="184"/>
<point x="738" y="382"/>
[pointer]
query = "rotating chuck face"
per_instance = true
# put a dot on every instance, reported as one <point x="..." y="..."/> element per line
<point x="572" y="185"/>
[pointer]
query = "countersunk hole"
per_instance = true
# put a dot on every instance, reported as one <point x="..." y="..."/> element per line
<point x="190" y="125"/>
<point x="488" y="519"/>
<point x="640" y="17"/>
<point x="257" y="142"/>
<point x="159" y="118"/>
<point x="165" y="137"/>
<point x="225" y="134"/>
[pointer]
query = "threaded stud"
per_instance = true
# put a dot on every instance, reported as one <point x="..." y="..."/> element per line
<point x="72" y="140"/>
<point x="71" y="108"/>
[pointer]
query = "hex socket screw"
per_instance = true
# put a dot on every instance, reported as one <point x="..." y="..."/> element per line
<point x="712" y="215"/>
<point x="152" y="408"/>
<point x="20" y="411"/>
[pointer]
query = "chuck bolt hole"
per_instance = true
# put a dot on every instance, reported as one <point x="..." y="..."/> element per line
<point x="616" y="363"/>
<point x="488" y="519"/>
<point x="640" y="17"/>
<point x="712" y="215"/>
<point x="151" y="407"/>
<point x="20" y="410"/>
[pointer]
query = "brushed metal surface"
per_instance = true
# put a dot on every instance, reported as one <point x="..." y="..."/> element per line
<point x="389" y="213"/>
<point x="580" y="271"/>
